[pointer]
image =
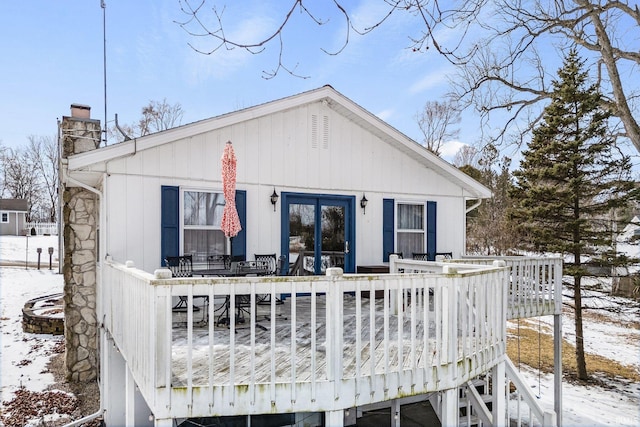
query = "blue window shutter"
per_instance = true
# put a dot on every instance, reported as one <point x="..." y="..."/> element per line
<point x="239" y="243"/>
<point x="387" y="228"/>
<point x="169" y="222"/>
<point x="431" y="230"/>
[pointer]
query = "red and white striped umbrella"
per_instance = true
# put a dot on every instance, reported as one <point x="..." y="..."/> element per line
<point x="230" y="221"/>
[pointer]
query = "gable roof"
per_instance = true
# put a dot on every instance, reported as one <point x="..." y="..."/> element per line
<point x="14" y="205"/>
<point x="327" y="94"/>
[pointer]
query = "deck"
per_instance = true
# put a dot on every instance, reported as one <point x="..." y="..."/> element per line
<point x="328" y="347"/>
<point x="279" y="330"/>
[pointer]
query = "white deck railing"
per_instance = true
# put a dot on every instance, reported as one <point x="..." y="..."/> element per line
<point x="535" y="285"/>
<point x="332" y="348"/>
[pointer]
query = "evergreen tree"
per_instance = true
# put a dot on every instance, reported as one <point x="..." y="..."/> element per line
<point x="570" y="182"/>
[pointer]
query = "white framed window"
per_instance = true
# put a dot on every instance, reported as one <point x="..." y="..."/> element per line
<point x="5" y="217"/>
<point x="410" y="228"/>
<point x="201" y="218"/>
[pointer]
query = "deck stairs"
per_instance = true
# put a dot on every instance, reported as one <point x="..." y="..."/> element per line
<point x="475" y="403"/>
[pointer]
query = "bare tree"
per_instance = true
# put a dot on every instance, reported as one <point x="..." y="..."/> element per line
<point x="496" y="44"/>
<point x="31" y="173"/>
<point x="435" y="122"/>
<point x="20" y="179"/>
<point x="43" y="152"/>
<point x="155" y="117"/>
<point x="467" y="155"/>
<point x="4" y="152"/>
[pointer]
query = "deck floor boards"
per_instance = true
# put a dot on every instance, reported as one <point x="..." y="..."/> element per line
<point x="253" y="363"/>
<point x="257" y="358"/>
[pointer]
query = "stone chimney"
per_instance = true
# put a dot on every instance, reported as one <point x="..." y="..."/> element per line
<point x="80" y="133"/>
<point x="80" y="216"/>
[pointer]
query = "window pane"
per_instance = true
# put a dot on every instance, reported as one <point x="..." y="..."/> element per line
<point x="408" y="243"/>
<point x="410" y="236"/>
<point x="332" y="228"/>
<point x="201" y="243"/>
<point x="410" y="217"/>
<point x="301" y="227"/>
<point x="202" y="208"/>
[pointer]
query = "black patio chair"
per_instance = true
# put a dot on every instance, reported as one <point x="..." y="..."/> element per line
<point x="420" y="256"/>
<point x="182" y="266"/>
<point x="272" y="261"/>
<point x="445" y="255"/>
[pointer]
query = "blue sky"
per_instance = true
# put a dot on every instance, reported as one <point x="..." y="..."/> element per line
<point x="53" y="54"/>
<point x="53" y="57"/>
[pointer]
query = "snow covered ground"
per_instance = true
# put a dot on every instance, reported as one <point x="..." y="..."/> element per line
<point x="23" y="356"/>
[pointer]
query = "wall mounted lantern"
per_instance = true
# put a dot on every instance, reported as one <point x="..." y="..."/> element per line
<point x="274" y="199"/>
<point x="363" y="203"/>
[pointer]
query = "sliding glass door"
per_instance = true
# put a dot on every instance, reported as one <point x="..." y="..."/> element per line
<point x="317" y="232"/>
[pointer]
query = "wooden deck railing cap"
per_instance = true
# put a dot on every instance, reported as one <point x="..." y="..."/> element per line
<point x="334" y="271"/>
<point x="162" y="273"/>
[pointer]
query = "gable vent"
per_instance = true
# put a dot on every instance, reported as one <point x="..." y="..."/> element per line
<point x="319" y="131"/>
<point x="325" y="132"/>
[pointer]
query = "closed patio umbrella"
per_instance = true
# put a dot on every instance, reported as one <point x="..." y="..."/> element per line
<point x="230" y="221"/>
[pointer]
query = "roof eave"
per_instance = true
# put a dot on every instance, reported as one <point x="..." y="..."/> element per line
<point x="335" y="100"/>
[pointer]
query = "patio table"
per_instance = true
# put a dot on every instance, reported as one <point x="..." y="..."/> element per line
<point x="242" y="301"/>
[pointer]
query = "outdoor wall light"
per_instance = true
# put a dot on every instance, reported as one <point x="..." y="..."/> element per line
<point x="274" y="199"/>
<point x="363" y="203"/>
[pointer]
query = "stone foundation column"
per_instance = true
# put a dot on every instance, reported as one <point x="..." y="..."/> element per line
<point x="80" y="209"/>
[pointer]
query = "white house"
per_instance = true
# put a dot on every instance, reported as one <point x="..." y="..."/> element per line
<point x="13" y="216"/>
<point x="317" y="149"/>
<point x="318" y="177"/>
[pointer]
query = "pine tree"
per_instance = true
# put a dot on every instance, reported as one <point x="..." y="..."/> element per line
<point x="570" y="182"/>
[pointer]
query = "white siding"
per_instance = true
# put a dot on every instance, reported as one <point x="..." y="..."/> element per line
<point x="276" y="151"/>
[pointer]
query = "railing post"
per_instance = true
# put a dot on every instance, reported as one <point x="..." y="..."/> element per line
<point x="334" y="418"/>
<point x="499" y="395"/>
<point x="449" y="407"/>
<point x="160" y="338"/>
<point x="557" y="342"/>
<point x="393" y="295"/>
<point x="392" y="263"/>
<point x="451" y="331"/>
<point x="334" y="328"/>
<point x="504" y="294"/>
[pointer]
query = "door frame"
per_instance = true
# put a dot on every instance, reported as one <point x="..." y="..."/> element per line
<point x="320" y="200"/>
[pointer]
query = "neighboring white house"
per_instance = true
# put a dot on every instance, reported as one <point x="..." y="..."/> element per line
<point x="317" y="175"/>
<point x="13" y="214"/>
